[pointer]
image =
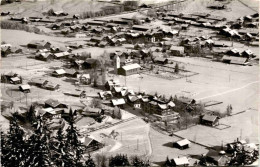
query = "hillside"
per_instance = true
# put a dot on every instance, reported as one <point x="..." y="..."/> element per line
<point x="37" y="8"/>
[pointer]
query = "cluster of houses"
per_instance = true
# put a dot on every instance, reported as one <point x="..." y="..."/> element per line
<point x="55" y="113"/>
<point x="121" y="96"/>
<point x="232" y="154"/>
<point x="7" y="49"/>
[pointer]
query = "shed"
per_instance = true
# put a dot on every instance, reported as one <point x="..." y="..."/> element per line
<point x="210" y="120"/>
<point x="59" y="73"/>
<point x="129" y="69"/>
<point x="51" y="86"/>
<point x="25" y="88"/>
<point x="182" y="144"/>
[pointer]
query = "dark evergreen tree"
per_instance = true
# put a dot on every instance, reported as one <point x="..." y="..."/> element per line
<point x="59" y="156"/>
<point x="167" y="162"/>
<point x="73" y="145"/>
<point x="119" y="160"/>
<point x="38" y="152"/>
<point x="176" y="68"/>
<point x="138" y="162"/>
<point x="90" y="162"/>
<point x="30" y="115"/>
<point x="13" y="148"/>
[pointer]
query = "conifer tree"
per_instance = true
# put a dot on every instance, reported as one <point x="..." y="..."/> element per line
<point x="119" y="160"/>
<point x="73" y="145"/>
<point x="38" y="151"/>
<point x="14" y="146"/>
<point x="90" y="162"/>
<point x="167" y="162"/>
<point x="60" y="156"/>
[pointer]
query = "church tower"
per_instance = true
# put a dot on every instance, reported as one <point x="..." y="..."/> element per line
<point x="116" y="63"/>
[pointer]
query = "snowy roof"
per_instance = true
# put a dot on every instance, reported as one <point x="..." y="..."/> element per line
<point x="210" y="118"/>
<point x="171" y="104"/>
<point x="24" y="87"/>
<point x="131" y="66"/>
<point x="183" y="142"/>
<point x="60" y="71"/>
<point x="181" y="161"/>
<point x="15" y="79"/>
<point x="163" y="106"/>
<point x="118" y="102"/>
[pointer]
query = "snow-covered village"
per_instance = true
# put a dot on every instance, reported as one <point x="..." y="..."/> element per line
<point x="106" y="83"/>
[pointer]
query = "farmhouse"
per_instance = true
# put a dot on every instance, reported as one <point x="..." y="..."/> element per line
<point x="105" y="95"/>
<point x="71" y="73"/>
<point x="91" y="144"/>
<point x="25" y="88"/>
<point x="110" y="84"/>
<point x="234" y="60"/>
<point x="177" y="50"/>
<point x="38" y="82"/>
<point x="118" y="102"/>
<point x="140" y="28"/>
<point x="161" y="60"/>
<point x="210" y="120"/>
<point x="217" y="158"/>
<point x="44" y="56"/>
<point x="54" y="104"/>
<point x="129" y="69"/>
<point x="51" y="86"/>
<point x="182" y="144"/>
<point x="15" y="80"/>
<point x="39" y="44"/>
<point x="91" y="112"/>
<point x="58" y="73"/>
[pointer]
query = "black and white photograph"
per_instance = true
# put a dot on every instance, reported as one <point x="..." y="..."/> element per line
<point x="134" y="83"/>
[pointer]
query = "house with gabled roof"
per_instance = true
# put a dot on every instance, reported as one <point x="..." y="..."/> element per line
<point x="182" y="144"/>
<point x="25" y="88"/>
<point x="39" y="44"/>
<point x="54" y="104"/>
<point x="129" y="69"/>
<point x="210" y="120"/>
<point x="90" y="144"/>
<point x="118" y="102"/>
<point x="59" y="73"/>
